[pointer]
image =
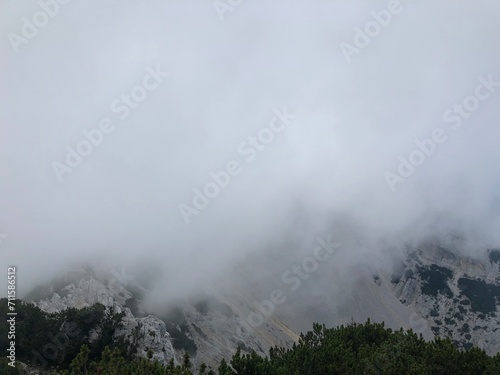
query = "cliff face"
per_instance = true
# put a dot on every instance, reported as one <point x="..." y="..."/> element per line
<point x="459" y="296"/>
<point x="434" y="292"/>
<point x="208" y="330"/>
<point x="150" y="330"/>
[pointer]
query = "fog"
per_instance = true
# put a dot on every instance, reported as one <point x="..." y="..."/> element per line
<point x="213" y="77"/>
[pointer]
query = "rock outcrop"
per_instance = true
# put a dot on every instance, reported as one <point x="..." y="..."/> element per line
<point x="459" y="296"/>
<point x="149" y="333"/>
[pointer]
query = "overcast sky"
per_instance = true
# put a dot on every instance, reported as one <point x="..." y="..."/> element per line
<point x="220" y="75"/>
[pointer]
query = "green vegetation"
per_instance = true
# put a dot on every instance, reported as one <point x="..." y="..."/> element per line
<point x="483" y="296"/>
<point x="494" y="256"/>
<point x="177" y="327"/>
<point x="54" y="340"/>
<point x="368" y="348"/>
<point x="180" y="338"/>
<point x="5" y="369"/>
<point x="435" y="280"/>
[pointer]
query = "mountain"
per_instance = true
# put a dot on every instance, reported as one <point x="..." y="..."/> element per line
<point x="434" y="291"/>
<point x="459" y="296"/>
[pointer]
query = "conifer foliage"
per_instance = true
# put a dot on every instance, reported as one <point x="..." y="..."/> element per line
<point x="369" y="349"/>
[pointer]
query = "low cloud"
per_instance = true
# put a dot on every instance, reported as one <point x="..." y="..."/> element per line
<point x="326" y="173"/>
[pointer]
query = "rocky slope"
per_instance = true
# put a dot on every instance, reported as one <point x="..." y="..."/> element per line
<point x="459" y="296"/>
<point x="434" y="292"/>
<point x="209" y="329"/>
<point x="150" y="330"/>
